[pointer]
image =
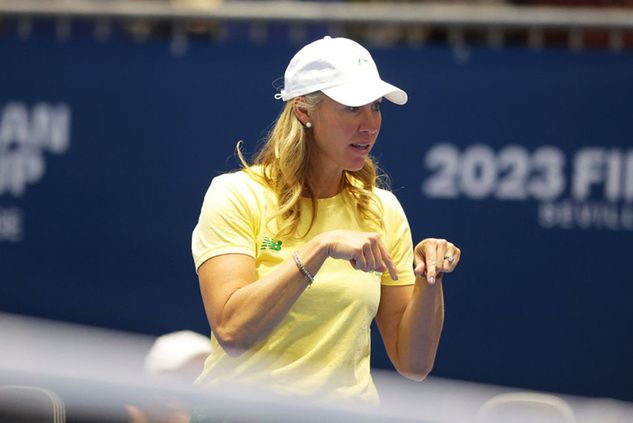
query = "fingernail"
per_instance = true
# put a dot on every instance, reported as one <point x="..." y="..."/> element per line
<point x="431" y="279"/>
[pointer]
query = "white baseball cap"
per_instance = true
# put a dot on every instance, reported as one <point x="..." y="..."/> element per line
<point x="342" y="69"/>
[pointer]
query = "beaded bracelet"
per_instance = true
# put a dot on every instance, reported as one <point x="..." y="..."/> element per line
<point x="302" y="268"/>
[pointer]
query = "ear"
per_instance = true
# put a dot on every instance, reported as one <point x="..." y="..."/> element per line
<point x="300" y="111"/>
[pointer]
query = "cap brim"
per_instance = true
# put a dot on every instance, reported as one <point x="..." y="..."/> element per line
<point x="359" y="93"/>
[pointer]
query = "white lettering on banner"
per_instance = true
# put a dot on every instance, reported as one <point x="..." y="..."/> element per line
<point x="26" y="133"/>
<point x="606" y="168"/>
<point x="514" y="173"/>
<point x="571" y="215"/>
<point x="10" y="224"/>
<point x="19" y="168"/>
<point x="479" y="172"/>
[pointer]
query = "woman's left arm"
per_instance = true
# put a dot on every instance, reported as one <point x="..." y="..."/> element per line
<point x="410" y="317"/>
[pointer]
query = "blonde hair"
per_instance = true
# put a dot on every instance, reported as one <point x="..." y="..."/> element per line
<point x="284" y="161"/>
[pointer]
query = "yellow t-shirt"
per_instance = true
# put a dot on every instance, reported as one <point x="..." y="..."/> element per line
<point x="322" y="346"/>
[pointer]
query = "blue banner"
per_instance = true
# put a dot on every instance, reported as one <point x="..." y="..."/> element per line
<point x="524" y="159"/>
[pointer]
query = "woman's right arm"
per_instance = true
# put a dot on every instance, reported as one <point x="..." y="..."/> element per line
<point x="243" y="310"/>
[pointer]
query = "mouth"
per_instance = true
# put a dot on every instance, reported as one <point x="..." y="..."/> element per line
<point x="360" y="146"/>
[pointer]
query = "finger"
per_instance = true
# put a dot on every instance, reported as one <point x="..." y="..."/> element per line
<point x="388" y="262"/>
<point x="455" y="254"/>
<point x="370" y="260"/>
<point x="430" y="253"/>
<point x="449" y="258"/>
<point x="441" y="251"/>
<point x="359" y="262"/>
<point x="379" y="252"/>
<point x="419" y="260"/>
<point x="420" y="269"/>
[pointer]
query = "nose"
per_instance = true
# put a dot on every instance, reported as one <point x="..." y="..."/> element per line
<point x="370" y="121"/>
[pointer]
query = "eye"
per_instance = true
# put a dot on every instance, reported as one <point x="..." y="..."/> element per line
<point x="376" y="106"/>
<point x="353" y="108"/>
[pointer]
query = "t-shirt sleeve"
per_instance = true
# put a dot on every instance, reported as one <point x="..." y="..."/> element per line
<point x="399" y="241"/>
<point x="225" y="225"/>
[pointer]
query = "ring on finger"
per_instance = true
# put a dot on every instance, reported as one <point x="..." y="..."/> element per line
<point x="449" y="258"/>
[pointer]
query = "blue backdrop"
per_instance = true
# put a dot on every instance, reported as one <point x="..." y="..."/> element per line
<point x="524" y="159"/>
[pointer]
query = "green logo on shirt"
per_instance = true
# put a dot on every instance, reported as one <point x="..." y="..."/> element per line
<point x="268" y="243"/>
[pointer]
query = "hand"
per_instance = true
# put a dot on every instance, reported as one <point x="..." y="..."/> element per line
<point x="435" y="257"/>
<point x="364" y="250"/>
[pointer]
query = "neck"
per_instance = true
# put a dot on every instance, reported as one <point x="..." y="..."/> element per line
<point x="326" y="185"/>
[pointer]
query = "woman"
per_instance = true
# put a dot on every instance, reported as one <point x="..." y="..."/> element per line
<point x="298" y="252"/>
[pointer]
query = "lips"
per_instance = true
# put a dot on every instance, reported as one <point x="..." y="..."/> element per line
<point x="360" y="146"/>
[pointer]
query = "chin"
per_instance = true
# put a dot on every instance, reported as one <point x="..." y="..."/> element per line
<point x="355" y="168"/>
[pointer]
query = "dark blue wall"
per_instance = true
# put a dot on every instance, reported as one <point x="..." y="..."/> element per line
<point x="524" y="159"/>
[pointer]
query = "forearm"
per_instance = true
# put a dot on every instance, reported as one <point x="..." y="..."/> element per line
<point x="253" y="311"/>
<point x="420" y="329"/>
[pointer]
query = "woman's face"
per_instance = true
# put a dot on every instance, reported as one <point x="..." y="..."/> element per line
<point x="343" y="135"/>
